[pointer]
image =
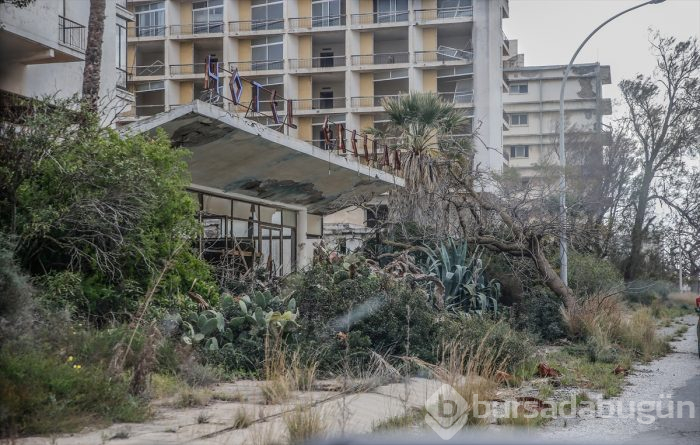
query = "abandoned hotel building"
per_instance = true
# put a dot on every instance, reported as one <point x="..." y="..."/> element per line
<point x="272" y="97"/>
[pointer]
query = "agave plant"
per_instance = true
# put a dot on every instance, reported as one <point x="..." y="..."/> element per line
<point x="462" y="275"/>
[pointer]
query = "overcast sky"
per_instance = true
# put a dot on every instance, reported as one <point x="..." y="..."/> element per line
<point x="549" y="31"/>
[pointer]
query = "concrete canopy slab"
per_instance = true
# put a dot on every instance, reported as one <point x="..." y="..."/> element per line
<point x="236" y="155"/>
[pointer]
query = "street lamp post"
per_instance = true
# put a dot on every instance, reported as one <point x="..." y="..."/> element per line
<point x="563" y="248"/>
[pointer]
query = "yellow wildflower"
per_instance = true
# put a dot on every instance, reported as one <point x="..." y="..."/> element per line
<point x="70" y="358"/>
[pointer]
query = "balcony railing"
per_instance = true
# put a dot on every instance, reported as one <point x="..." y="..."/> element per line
<point x="458" y="97"/>
<point x="444" y="54"/>
<point x="197" y="28"/>
<point x="147" y="31"/>
<point x="71" y="33"/>
<point x="317" y="62"/>
<point x="155" y="69"/>
<point x="266" y="106"/>
<point x="253" y="65"/>
<point x="426" y="15"/>
<point x="256" y="25"/>
<point x="188" y="68"/>
<point x="380" y="59"/>
<point x="370" y="101"/>
<point x="320" y="103"/>
<point x="316" y="22"/>
<point x="379" y="17"/>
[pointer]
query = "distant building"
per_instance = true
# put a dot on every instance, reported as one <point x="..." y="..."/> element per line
<point x="532" y="108"/>
<point x="43" y="52"/>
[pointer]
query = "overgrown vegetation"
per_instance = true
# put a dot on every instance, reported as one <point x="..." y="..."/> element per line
<point x="104" y="304"/>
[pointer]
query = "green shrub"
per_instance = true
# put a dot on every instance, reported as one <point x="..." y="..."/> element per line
<point x="540" y="314"/>
<point x="359" y="313"/>
<point x="16" y="301"/>
<point x="512" y="347"/>
<point x="43" y="394"/>
<point x="100" y="214"/>
<point x="590" y="275"/>
<point x="647" y="292"/>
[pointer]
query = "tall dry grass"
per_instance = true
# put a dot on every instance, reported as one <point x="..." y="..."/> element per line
<point x="471" y="372"/>
<point x="600" y="320"/>
<point x="305" y="423"/>
<point x="285" y="372"/>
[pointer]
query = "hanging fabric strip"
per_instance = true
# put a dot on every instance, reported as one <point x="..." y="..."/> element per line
<point x="353" y="143"/>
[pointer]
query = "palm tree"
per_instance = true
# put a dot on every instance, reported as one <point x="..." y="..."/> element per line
<point x="419" y="125"/>
<point x="93" y="53"/>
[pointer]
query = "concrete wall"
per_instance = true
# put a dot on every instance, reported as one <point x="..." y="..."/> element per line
<point x="39" y="22"/>
<point x="487" y="37"/>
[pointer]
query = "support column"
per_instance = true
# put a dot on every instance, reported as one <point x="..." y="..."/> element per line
<point x="303" y="246"/>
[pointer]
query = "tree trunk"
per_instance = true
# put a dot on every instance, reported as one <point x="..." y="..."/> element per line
<point x="633" y="263"/>
<point x="549" y="275"/>
<point x="93" y="53"/>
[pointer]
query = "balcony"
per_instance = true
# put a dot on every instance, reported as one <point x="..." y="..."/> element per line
<point x="371" y="101"/>
<point x="197" y="29"/>
<point x="376" y="18"/>
<point x="300" y="23"/>
<point x="257" y="65"/>
<point x="146" y="31"/>
<point x="458" y="98"/>
<point x="319" y="103"/>
<point x="188" y="69"/>
<point x="71" y="34"/>
<point x="317" y="62"/>
<point x="256" y="26"/>
<point x="452" y="14"/>
<point x="155" y="69"/>
<point x="445" y="55"/>
<point x="381" y="58"/>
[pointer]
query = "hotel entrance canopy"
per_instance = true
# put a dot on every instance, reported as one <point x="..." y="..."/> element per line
<point x="238" y="156"/>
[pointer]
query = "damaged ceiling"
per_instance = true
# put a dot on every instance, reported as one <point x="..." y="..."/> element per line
<point x="236" y="155"/>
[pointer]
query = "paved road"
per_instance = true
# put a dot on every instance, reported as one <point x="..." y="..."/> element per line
<point x="670" y="380"/>
<point x="681" y="429"/>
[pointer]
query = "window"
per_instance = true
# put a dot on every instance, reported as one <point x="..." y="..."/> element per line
<point x="391" y="10"/>
<point x="121" y="57"/>
<point x="326" y="12"/>
<point x="266" y="14"/>
<point x="518" y="88"/>
<point x="150" y="19"/>
<point x="518" y="119"/>
<point x="519" y="151"/>
<point x="208" y="16"/>
<point x="267" y="53"/>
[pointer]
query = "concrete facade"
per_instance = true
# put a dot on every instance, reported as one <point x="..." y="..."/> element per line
<point x="335" y="58"/>
<point x="43" y="51"/>
<point x="532" y="106"/>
